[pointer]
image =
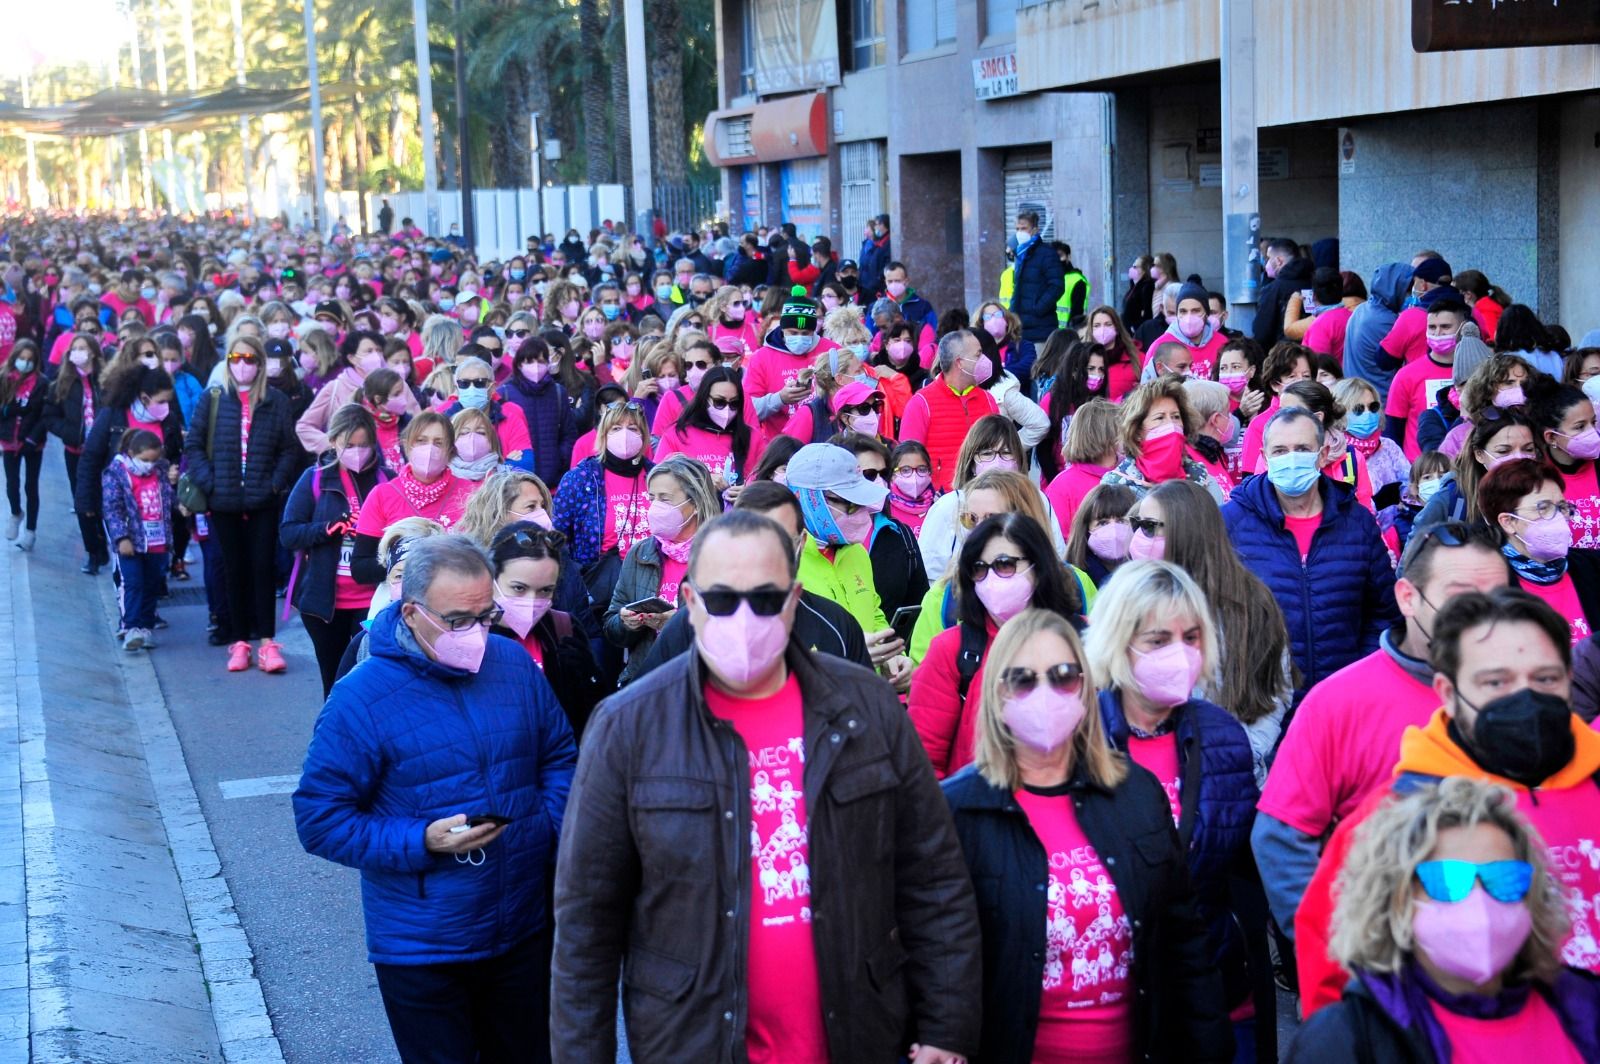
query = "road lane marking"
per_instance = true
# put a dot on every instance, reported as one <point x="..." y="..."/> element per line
<point x="257" y="786"/>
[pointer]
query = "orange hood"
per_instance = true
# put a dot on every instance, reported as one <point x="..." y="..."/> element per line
<point x="1429" y="751"/>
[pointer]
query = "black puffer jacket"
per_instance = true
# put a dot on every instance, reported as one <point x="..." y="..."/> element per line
<point x="101" y="447"/>
<point x="64" y="418"/>
<point x="269" y="471"/>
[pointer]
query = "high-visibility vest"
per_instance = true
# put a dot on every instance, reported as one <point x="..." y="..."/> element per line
<point x="1075" y="280"/>
<point x="1008" y="282"/>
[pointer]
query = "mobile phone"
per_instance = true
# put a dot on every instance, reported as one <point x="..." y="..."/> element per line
<point x="906" y="616"/>
<point x="645" y="375"/>
<point x="488" y="818"/>
<point x="654" y="604"/>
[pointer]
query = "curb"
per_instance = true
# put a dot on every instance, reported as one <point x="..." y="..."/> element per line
<point x="226" y="959"/>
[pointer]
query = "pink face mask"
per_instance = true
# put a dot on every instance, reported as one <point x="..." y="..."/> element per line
<point x="742" y="646"/>
<point x="308" y="361"/>
<point x="899" y="351"/>
<point x="995" y="326"/>
<point x="1093" y="380"/>
<point x="1005" y="596"/>
<point x="1104" y="335"/>
<point x="395" y="404"/>
<point x="856" y="527"/>
<point x="158" y="411"/>
<point x="537" y="516"/>
<point x="1110" y="541"/>
<point x="521" y="613"/>
<point x="1474" y="938"/>
<point x="1510" y="396"/>
<point x="534" y="372"/>
<point x="866" y="424"/>
<point x="569" y="309"/>
<point x="1585" y="445"/>
<point x="666" y="521"/>
<point x="472" y="446"/>
<point x="624" y="443"/>
<point x="982" y="370"/>
<point x="693" y="377"/>
<point x="594" y="329"/>
<point x="1044" y="718"/>
<point x="1145" y="548"/>
<point x="244" y="373"/>
<point x="1235" y="382"/>
<point x="1192" y="326"/>
<point x="1166" y="675"/>
<point x="1441" y="345"/>
<point x="912" y="485"/>
<point x="721" y="418"/>
<point x="278" y="330"/>
<point x="370" y="362"/>
<point x="1547" y="540"/>
<point x="426" y="460"/>
<point x="458" y="650"/>
<point x="896" y="289"/>
<point x="355" y="459"/>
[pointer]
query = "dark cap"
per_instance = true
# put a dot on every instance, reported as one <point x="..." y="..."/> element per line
<point x="848" y="264"/>
<point x="330" y="306"/>
<point x="1433" y="271"/>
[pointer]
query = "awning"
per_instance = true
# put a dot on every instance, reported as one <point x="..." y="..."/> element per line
<point x="116" y="111"/>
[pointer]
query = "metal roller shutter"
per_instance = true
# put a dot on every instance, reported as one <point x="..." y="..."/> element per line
<point x="861" y="189"/>
<point x="1031" y="184"/>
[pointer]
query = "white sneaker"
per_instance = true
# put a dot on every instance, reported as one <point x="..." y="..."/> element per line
<point x="134" y="640"/>
<point x="148" y="638"/>
<point x="26" y="541"/>
<point x="13" y="523"/>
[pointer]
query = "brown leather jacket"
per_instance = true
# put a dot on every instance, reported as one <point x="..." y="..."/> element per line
<point x="653" y="877"/>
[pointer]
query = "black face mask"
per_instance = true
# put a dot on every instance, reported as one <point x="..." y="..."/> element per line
<point x="1525" y="736"/>
<point x="849" y="281"/>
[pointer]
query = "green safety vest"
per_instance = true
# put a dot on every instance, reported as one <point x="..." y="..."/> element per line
<point x="1075" y="281"/>
<point x="1008" y="283"/>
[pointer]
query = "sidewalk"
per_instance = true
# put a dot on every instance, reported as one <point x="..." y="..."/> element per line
<point x="118" y="938"/>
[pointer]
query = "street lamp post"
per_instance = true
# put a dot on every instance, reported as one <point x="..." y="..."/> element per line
<point x="469" y="227"/>
<point x="318" y="180"/>
<point x="430" y="166"/>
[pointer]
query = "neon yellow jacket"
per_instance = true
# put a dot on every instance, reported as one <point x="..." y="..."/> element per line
<point x="1008" y="284"/>
<point x="846" y="580"/>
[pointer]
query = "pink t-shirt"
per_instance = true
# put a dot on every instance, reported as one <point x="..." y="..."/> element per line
<point x="1583" y="492"/>
<point x="1250" y="453"/>
<point x="711" y="449"/>
<point x="1121" y="379"/>
<point x="1563" y="598"/>
<point x="387" y="503"/>
<point x="1302" y="529"/>
<point x="785" y="1022"/>
<point x="1068" y="488"/>
<point x="1326" y="335"/>
<point x="672" y="574"/>
<point x="1408" y="337"/>
<point x="147" y="497"/>
<point x="1084" y="1013"/>
<point x="1414" y="391"/>
<point x="347" y="594"/>
<point x="1533" y="1033"/>
<point x="626" y="512"/>
<point x="1569" y="823"/>
<point x="1160" y="757"/>
<point x="769" y="370"/>
<point x="1344" y="742"/>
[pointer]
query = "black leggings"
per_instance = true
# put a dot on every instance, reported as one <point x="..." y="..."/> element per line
<point x="89" y="528"/>
<point x="248" y="542"/>
<point x="330" y="639"/>
<point x="22" y="474"/>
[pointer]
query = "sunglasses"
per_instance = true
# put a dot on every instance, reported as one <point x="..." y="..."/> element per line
<point x="843" y="505"/>
<point x="1003" y="566"/>
<point x="1065" y="678"/>
<point x="1147" y="526"/>
<point x="1451" y="881"/>
<point x="717" y="402"/>
<point x="970" y="520"/>
<point x="871" y="406"/>
<point x="521" y="334"/>
<point x="1373" y="407"/>
<point x="243" y="356"/>
<point x="874" y="474"/>
<point x="478" y="382"/>
<point x="764" y="601"/>
<point x="698" y="364"/>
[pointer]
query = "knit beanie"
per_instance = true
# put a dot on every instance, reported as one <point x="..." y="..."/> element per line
<point x="799" y="310"/>
<point x="1471" y="352"/>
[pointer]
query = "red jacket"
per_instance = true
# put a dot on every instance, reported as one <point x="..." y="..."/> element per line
<point x="946" y="725"/>
<point x="939" y="419"/>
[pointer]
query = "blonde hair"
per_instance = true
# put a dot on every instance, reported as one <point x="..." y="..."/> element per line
<point x="695" y="480"/>
<point x="995" y="751"/>
<point x="406" y="528"/>
<point x="257" y="387"/>
<point x="1092" y="433"/>
<point x="441" y="339"/>
<point x="1138" y="404"/>
<point x="489" y="508"/>
<point x="846" y="324"/>
<point x="320" y="343"/>
<point x="1347" y="391"/>
<point x="1144" y="590"/>
<point x="659" y="354"/>
<point x="1372" y="921"/>
<point x="615" y="416"/>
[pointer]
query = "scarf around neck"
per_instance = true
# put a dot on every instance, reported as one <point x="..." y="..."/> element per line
<point x="1541" y="573"/>
<point x="421" y="496"/>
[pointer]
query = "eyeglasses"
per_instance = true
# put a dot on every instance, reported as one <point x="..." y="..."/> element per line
<point x="993" y="455"/>
<point x="1451" y="881"/>
<point x="1544" y="510"/>
<point x="1004" y="566"/>
<point x="873" y="474"/>
<point x="1065" y="678"/>
<point x="908" y="470"/>
<point x="475" y="382"/>
<point x="722" y="601"/>
<point x="243" y="356"/>
<point x="461" y="624"/>
<point x="871" y="406"/>
<point x="1147" y="526"/>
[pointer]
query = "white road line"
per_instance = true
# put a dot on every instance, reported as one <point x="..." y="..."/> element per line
<point x="257" y="786"/>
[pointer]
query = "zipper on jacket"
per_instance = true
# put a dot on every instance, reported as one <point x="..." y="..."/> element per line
<point x="494" y="802"/>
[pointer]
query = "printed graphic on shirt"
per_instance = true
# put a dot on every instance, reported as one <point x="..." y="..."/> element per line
<point x="1087" y="940"/>
<point x="149" y="501"/>
<point x="1577" y="871"/>
<point x="778" y="833"/>
<point x="631" y="521"/>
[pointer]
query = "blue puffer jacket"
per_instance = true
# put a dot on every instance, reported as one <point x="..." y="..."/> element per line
<point x="580" y="510"/>
<point x="551" y="425"/>
<point x="1219" y="808"/>
<point x="1341" y="598"/>
<point x="404" y="741"/>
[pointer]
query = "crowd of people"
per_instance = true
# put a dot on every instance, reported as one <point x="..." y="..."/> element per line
<point x="851" y="678"/>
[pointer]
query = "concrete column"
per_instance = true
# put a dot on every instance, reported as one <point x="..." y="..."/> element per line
<point x="1241" y="220"/>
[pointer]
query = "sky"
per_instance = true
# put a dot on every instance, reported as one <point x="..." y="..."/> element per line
<point x="61" y="32"/>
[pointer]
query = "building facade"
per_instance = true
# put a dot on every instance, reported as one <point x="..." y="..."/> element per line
<point x="1110" y="115"/>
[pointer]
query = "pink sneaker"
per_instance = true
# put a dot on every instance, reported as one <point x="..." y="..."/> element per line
<point x="270" y="658"/>
<point x="239" y="656"/>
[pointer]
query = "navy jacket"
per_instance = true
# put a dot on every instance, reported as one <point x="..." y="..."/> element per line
<point x="102" y="445"/>
<point x="552" y="425"/>
<point x="1342" y="598"/>
<point x="1178" y="1009"/>
<point x="404" y="741"/>
<point x="267" y="470"/>
<point x="1218" y="796"/>
<point x="1039" y="283"/>
<point x="317" y="501"/>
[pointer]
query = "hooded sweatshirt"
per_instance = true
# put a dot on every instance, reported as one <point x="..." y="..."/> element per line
<point x="1371" y="322"/>
<point x="1565" y="809"/>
